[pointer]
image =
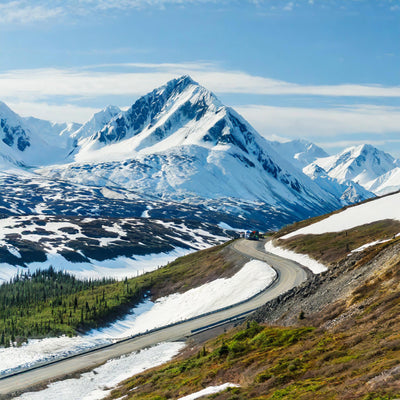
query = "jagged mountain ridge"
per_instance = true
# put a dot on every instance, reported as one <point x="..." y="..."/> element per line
<point x="362" y="164"/>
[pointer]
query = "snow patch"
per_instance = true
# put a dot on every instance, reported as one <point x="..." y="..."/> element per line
<point x="209" y="390"/>
<point x="314" y="266"/>
<point x="365" y="246"/>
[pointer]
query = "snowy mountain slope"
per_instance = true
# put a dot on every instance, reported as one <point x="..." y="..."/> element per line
<point x="54" y="133"/>
<point x="361" y="164"/>
<point x="299" y="152"/>
<point x="95" y="124"/>
<point x="179" y="142"/>
<point x="348" y="191"/>
<point x="386" y="183"/>
<point x="96" y="247"/>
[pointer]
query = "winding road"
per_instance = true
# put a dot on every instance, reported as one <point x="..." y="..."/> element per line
<point x="290" y="274"/>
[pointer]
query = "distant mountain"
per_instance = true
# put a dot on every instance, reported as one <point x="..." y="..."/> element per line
<point x="348" y="191"/>
<point x="31" y="141"/>
<point x="95" y="124"/>
<point x="299" y="152"/>
<point x="361" y="164"/>
<point x="180" y="143"/>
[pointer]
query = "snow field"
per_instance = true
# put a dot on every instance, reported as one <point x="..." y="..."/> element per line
<point x="314" y="266"/>
<point x="375" y="210"/>
<point x="97" y="384"/>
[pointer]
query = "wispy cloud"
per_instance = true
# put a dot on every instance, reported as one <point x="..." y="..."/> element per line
<point x="318" y="123"/>
<point x="23" y="12"/>
<point x="30" y="11"/>
<point x="117" y="79"/>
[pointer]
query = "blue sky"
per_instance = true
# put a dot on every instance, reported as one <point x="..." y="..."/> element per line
<point x="323" y="70"/>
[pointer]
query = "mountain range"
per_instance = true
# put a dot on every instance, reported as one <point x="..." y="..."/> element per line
<point x="175" y="147"/>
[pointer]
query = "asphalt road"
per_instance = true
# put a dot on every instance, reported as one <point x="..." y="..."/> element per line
<point x="290" y="274"/>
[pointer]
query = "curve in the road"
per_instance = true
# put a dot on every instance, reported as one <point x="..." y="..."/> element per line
<point x="290" y="274"/>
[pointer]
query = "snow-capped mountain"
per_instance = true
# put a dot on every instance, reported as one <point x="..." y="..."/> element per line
<point x="95" y="124"/>
<point x="299" y="152"/>
<point x="362" y="164"/>
<point x="348" y="191"/>
<point x="31" y="141"/>
<point x="180" y="142"/>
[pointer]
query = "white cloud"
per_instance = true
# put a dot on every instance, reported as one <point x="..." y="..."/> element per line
<point x="91" y="82"/>
<point x="317" y="122"/>
<point x="23" y="12"/>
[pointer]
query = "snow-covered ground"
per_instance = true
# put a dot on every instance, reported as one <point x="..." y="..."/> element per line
<point x="251" y="279"/>
<point x="97" y="384"/>
<point x="207" y="391"/>
<point x="303" y="259"/>
<point x="375" y="210"/>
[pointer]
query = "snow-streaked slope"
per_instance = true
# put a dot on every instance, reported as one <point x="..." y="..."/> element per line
<point x="375" y="210"/>
<point x="179" y="142"/>
<point x="386" y="183"/>
<point x="299" y="152"/>
<point x="208" y="390"/>
<point x="98" y="247"/>
<point x="348" y="191"/>
<point x="95" y="124"/>
<point x="361" y="164"/>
